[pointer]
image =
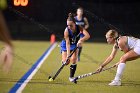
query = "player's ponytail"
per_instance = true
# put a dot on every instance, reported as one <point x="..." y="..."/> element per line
<point x="71" y="17"/>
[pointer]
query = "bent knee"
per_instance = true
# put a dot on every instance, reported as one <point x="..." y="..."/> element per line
<point x="123" y="59"/>
<point x="73" y="59"/>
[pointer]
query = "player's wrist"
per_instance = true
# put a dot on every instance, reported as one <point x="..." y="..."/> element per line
<point x="80" y="41"/>
<point x="102" y="66"/>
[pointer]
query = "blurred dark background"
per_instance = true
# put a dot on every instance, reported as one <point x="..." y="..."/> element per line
<point x="40" y="18"/>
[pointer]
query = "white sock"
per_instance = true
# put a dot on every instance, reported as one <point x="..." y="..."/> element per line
<point x="120" y="70"/>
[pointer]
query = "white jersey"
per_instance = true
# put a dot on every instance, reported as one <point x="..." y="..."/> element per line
<point x="134" y="43"/>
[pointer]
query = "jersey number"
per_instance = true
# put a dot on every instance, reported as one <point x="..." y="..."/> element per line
<point x="73" y="40"/>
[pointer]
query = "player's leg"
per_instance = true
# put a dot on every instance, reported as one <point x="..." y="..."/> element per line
<point x="73" y="66"/>
<point x="64" y="56"/>
<point x="64" y="51"/>
<point x="80" y="48"/>
<point x="129" y="55"/>
<point x="79" y="53"/>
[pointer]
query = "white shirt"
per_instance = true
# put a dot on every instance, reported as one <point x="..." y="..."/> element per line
<point x="132" y="42"/>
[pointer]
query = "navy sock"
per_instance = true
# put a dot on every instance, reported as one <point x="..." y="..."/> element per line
<point x="73" y="69"/>
<point x="80" y="50"/>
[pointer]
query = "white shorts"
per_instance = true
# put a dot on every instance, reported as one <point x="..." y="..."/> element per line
<point x="137" y="47"/>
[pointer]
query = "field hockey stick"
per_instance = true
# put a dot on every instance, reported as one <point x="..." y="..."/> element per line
<point x="64" y="63"/>
<point x="89" y="74"/>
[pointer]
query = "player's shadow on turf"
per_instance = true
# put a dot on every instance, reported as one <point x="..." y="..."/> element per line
<point x="93" y="82"/>
<point x="58" y="83"/>
<point x="45" y="81"/>
<point x="89" y="57"/>
<point x="8" y="80"/>
<point x="33" y="81"/>
<point x="131" y="83"/>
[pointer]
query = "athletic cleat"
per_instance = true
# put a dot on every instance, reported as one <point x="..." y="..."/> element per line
<point x="74" y="80"/>
<point x="71" y="79"/>
<point x="115" y="83"/>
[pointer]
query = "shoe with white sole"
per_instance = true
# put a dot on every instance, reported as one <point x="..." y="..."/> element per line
<point x="115" y="83"/>
<point x="71" y="79"/>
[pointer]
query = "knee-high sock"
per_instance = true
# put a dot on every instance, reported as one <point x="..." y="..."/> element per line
<point x="73" y="69"/>
<point x="120" y="70"/>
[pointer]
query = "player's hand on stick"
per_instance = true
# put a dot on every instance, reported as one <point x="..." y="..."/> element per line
<point x="79" y="44"/>
<point x="99" y="69"/>
<point x="68" y="61"/>
<point x="116" y="65"/>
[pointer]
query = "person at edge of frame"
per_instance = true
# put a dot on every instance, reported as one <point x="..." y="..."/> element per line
<point x="6" y="54"/>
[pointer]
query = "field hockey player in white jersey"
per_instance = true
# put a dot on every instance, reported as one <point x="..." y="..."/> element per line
<point x="131" y="48"/>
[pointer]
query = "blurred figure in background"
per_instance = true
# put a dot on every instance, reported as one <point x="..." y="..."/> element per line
<point x="81" y="21"/>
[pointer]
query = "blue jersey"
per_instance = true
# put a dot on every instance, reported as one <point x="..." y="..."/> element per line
<point x="80" y="23"/>
<point x="73" y="38"/>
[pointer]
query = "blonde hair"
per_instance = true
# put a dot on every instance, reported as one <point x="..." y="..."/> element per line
<point x="112" y="33"/>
